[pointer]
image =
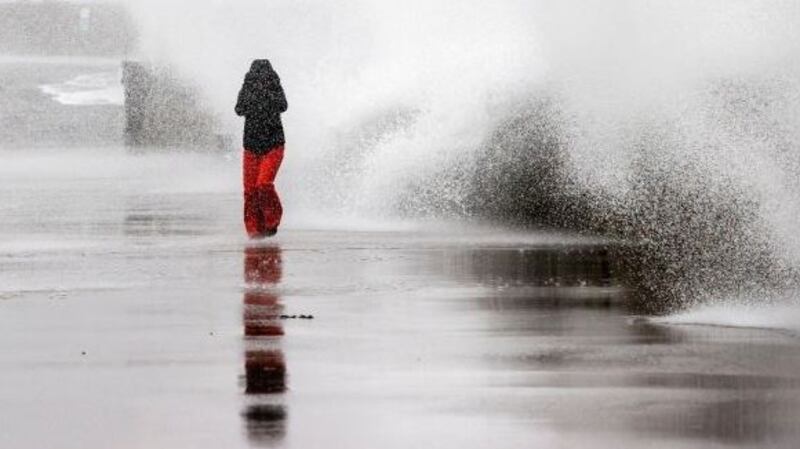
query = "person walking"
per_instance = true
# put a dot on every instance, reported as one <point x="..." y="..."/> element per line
<point x="261" y="102"/>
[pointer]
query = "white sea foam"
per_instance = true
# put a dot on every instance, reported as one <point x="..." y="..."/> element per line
<point x="782" y="316"/>
<point x="103" y="88"/>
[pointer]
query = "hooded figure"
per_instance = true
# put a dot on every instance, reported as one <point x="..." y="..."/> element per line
<point x="261" y="101"/>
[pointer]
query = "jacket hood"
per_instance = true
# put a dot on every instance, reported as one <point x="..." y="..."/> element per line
<point x="261" y="66"/>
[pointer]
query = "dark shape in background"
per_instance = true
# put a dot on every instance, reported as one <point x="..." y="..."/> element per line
<point x="163" y="110"/>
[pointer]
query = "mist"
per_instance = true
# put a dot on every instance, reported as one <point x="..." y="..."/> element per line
<point x="491" y="218"/>
<point x="455" y="70"/>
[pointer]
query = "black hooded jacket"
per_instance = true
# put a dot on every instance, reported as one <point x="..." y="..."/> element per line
<point x="261" y="102"/>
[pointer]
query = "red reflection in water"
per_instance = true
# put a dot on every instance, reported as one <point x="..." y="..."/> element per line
<point x="263" y="265"/>
<point x="265" y="364"/>
<point x="265" y="372"/>
<point x="262" y="312"/>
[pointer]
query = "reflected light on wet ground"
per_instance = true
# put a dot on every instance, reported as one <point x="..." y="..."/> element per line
<point x="165" y="328"/>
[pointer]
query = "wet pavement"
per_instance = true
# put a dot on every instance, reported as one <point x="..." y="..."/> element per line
<point x="134" y="314"/>
<point x="138" y="317"/>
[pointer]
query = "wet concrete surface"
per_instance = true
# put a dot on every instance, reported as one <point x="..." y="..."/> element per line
<point x="135" y="318"/>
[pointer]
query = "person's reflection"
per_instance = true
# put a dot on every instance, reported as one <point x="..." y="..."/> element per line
<point x="265" y="366"/>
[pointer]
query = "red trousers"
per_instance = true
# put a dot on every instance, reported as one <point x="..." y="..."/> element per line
<point x="262" y="207"/>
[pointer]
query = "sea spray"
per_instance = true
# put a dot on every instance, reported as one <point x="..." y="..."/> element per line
<point x="670" y="124"/>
